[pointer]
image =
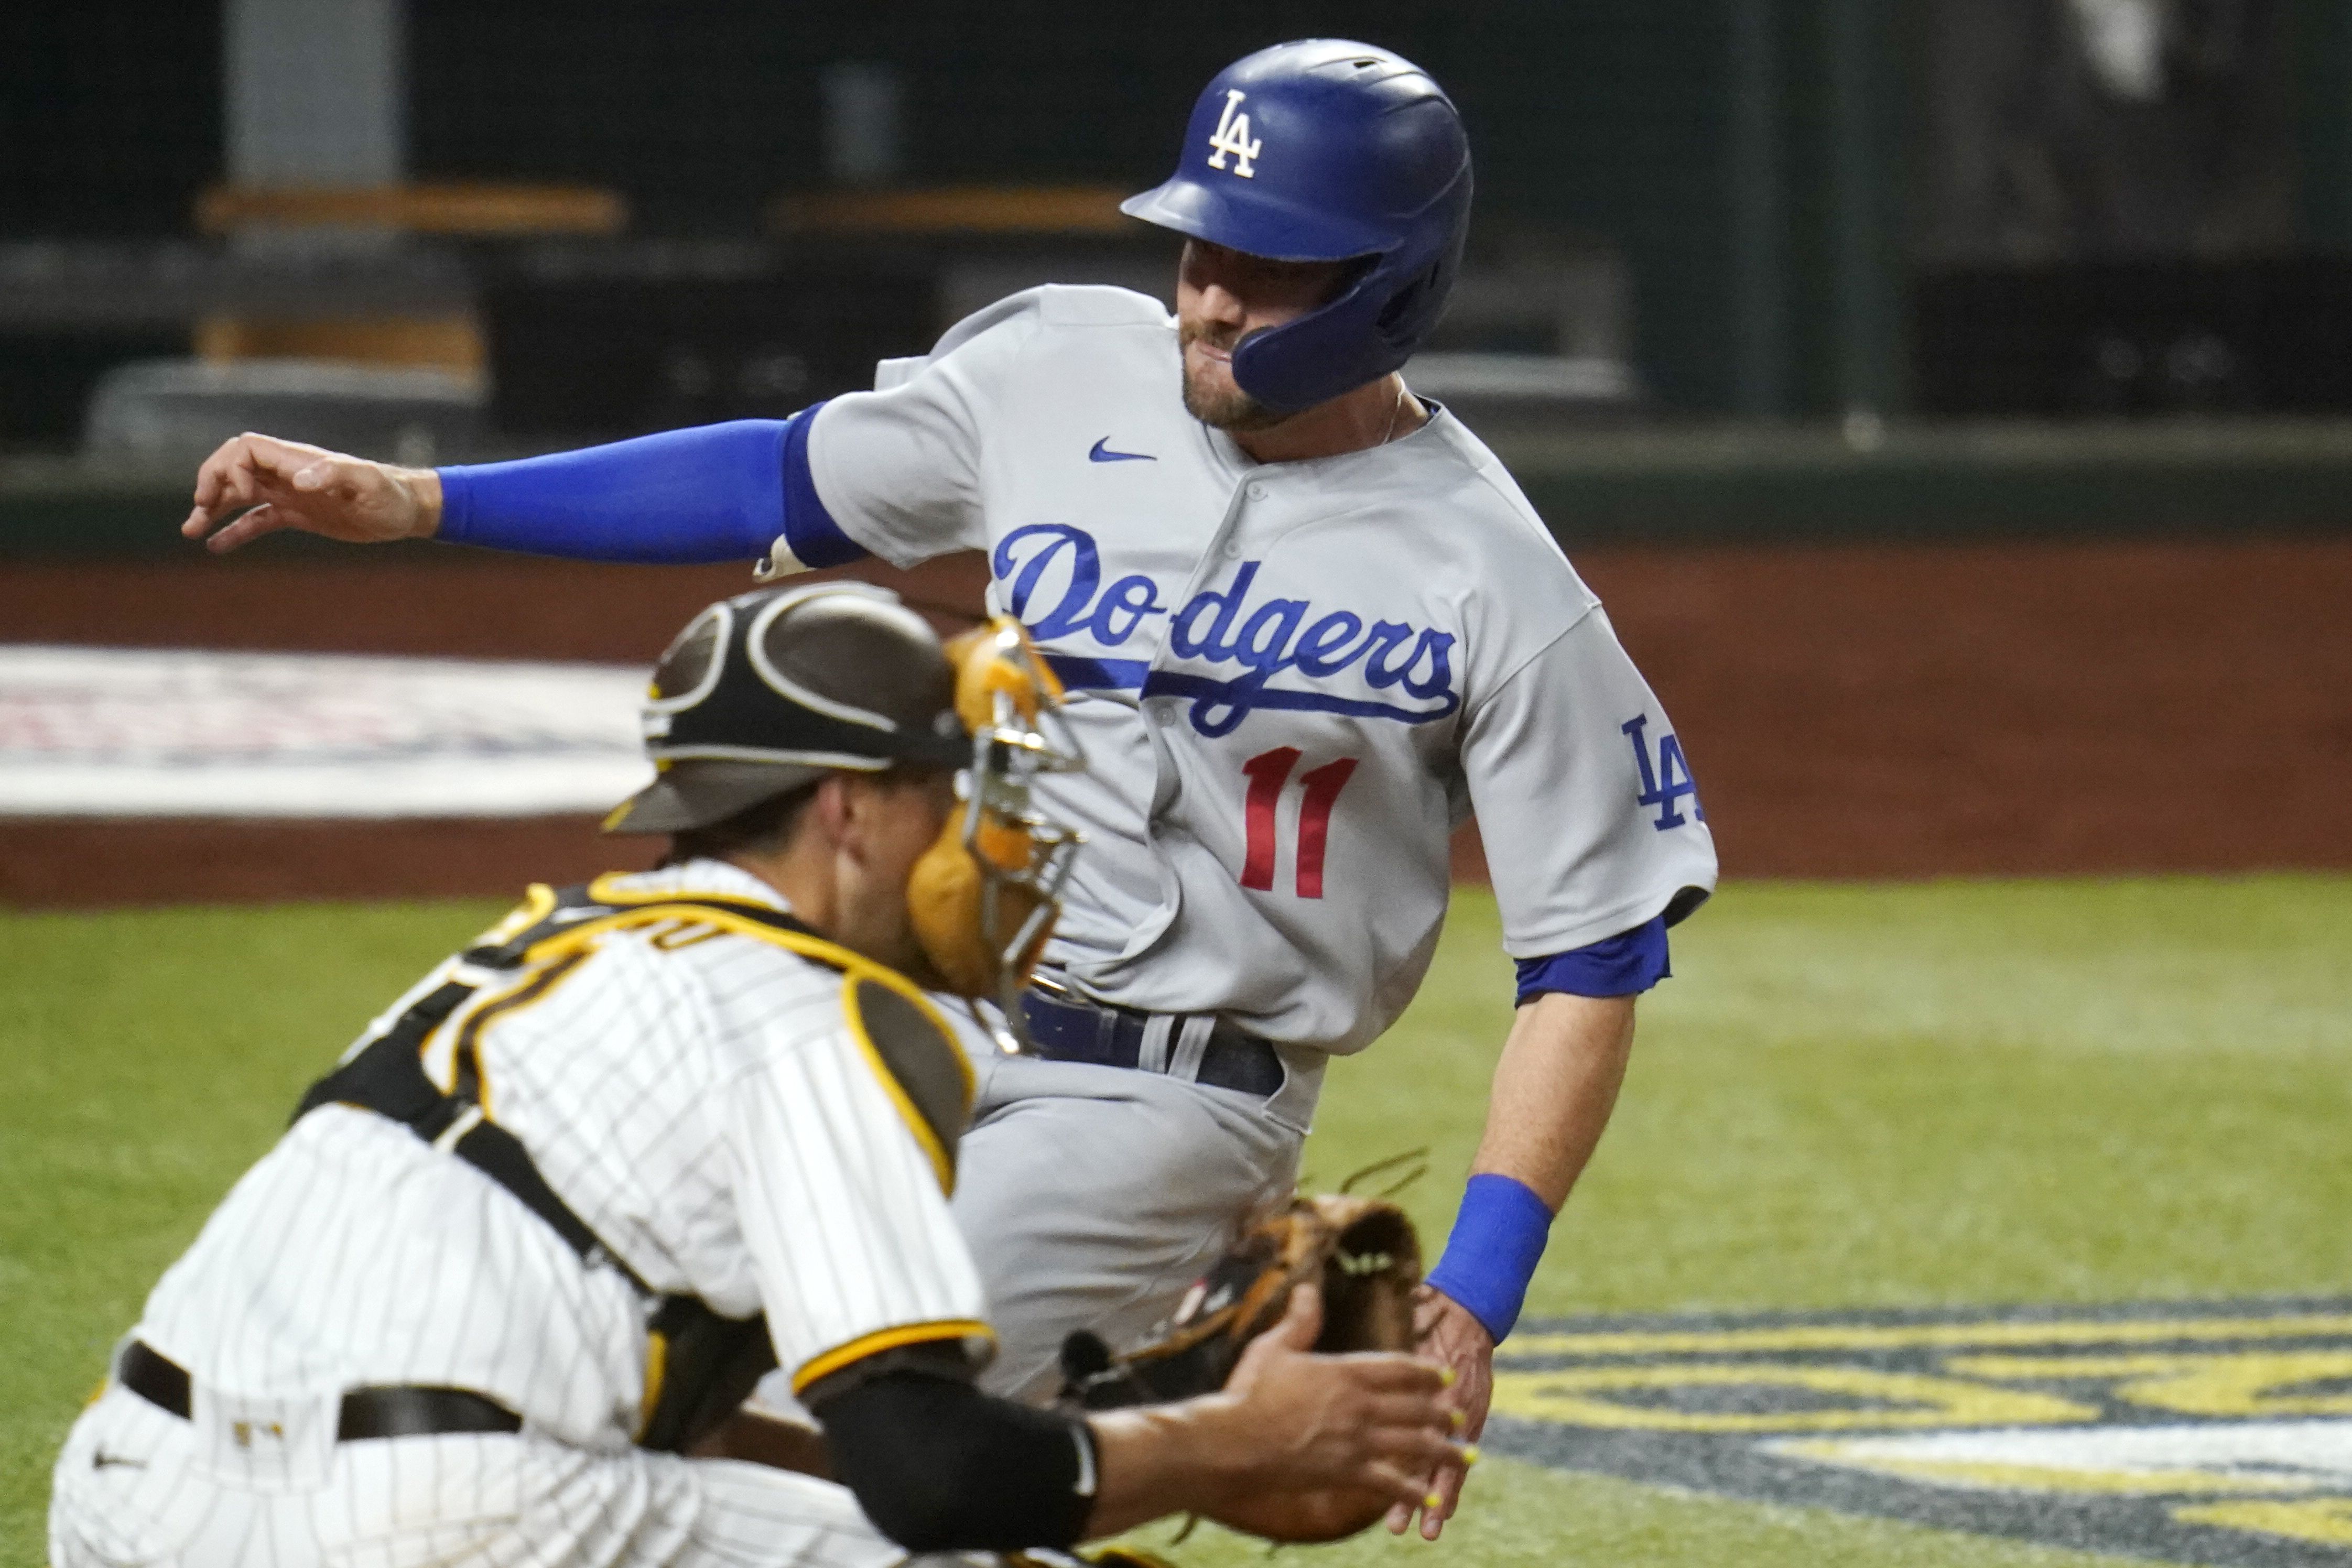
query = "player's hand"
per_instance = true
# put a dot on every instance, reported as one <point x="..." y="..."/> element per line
<point x="1447" y="1334"/>
<point x="1333" y="1440"/>
<point x="291" y="484"/>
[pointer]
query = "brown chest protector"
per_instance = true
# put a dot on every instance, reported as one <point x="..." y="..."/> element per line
<point x="700" y="1364"/>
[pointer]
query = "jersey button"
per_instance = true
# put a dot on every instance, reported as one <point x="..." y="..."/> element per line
<point x="1257" y="492"/>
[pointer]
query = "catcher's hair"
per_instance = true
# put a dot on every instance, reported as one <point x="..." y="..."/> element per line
<point x="767" y="827"/>
<point x="762" y="828"/>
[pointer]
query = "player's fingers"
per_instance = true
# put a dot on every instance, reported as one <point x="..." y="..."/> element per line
<point x="1406" y="1489"/>
<point x="1302" y="1318"/>
<point x="281" y="460"/>
<point x="1419" y="1446"/>
<point x="330" y="474"/>
<point x="213" y="477"/>
<point x="1445" y="1493"/>
<point x="1420" y="1412"/>
<point x="253" y="468"/>
<point x="230" y="490"/>
<point x="1301" y="1321"/>
<point x="262" y="519"/>
<point x="235" y="487"/>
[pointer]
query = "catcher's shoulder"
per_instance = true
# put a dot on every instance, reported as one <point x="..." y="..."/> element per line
<point x="916" y="1054"/>
<point x="763" y="984"/>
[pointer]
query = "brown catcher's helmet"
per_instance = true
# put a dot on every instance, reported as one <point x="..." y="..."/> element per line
<point x="765" y="693"/>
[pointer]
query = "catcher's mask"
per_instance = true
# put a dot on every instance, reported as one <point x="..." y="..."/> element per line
<point x="985" y="896"/>
<point x="765" y="693"/>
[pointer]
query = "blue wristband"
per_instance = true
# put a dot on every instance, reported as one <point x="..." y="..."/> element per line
<point x="716" y="492"/>
<point x="1498" y="1237"/>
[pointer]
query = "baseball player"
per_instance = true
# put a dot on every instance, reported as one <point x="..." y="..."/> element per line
<point x="1309" y="624"/>
<point x="564" y="1200"/>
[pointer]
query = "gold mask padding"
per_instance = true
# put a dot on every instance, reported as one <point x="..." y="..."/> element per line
<point x="998" y="657"/>
<point x="974" y="890"/>
<point x="947" y="900"/>
<point x="943" y="897"/>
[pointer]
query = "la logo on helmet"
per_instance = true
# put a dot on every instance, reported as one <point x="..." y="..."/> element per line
<point x="1234" y="136"/>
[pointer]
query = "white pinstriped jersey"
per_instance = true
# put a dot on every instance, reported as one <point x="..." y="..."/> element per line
<point x="1292" y="678"/>
<point x="698" y="1098"/>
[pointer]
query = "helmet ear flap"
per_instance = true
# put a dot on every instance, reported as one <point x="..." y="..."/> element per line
<point x="1407" y="303"/>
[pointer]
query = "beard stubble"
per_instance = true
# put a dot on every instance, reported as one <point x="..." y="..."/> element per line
<point x="1221" y="408"/>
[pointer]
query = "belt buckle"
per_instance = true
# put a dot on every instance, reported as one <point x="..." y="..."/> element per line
<point x="1054" y="989"/>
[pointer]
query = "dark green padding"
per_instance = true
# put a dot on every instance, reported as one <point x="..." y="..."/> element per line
<point x="924" y="1060"/>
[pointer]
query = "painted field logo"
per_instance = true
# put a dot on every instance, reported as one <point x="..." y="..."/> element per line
<point x="2217" y="1434"/>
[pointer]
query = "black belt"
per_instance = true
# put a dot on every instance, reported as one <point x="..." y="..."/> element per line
<point x="398" y="1412"/>
<point x="1065" y="1028"/>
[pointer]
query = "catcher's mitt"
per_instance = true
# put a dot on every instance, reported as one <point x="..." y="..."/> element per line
<point x="1363" y="1251"/>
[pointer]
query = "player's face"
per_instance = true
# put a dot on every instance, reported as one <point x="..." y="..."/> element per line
<point x="1221" y="296"/>
<point x="894" y="820"/>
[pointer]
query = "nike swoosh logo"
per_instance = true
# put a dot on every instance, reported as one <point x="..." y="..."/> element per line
<point x="1100" y="452"/>
<point x="102" y="1460"/>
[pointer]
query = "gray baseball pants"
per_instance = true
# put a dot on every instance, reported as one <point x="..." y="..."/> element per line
<point x="1092" y="1196"/>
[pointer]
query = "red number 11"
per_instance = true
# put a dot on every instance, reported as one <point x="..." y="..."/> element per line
<point x="1268" y="773"/>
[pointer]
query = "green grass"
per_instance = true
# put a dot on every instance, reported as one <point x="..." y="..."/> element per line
<point x="1930" y="1093"/>
<point x="1926" y="1094"/>
<point x="1522" y="1516"/>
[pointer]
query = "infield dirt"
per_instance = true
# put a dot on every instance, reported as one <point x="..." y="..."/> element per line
<point x="1855" y="711"/>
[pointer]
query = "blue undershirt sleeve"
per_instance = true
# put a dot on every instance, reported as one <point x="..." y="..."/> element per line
<point x="810" y="532"/>
<point x="716" y="492"/>
<point x="1624" y="964"/>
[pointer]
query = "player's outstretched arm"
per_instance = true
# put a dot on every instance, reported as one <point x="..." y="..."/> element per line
<point x="1298" y="1447"/>
<point x="279" y="485"/>
<point x="711" y="493"/>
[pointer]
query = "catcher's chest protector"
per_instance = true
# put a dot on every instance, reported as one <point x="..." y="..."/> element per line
<point x="700" y="1364"/>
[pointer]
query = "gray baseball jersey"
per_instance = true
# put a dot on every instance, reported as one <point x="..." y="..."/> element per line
<point x="1292" y="679"/>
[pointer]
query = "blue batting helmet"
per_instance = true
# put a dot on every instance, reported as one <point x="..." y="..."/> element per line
<point x="1324" y="150"/>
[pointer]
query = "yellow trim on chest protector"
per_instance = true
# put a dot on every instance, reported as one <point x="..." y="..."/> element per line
<point x="657" y="1373"/>
<point x="827" y="1362"/>
<point x="626" y="913"/>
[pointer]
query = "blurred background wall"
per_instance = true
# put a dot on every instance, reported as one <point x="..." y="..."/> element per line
<point x="1767" y="207"/>
<point x="1774" y="175"/>
<point x="2064" y="283"/>
<point x="1807" y="198"/>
